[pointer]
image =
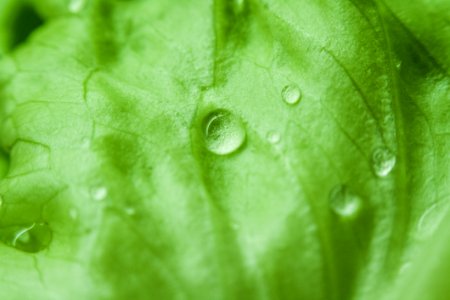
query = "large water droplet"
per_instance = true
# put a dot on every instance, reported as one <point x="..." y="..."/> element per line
<point x="431" y="219"/>
<point x="291" y="94"/>
<point x="224" y="132"/>
<point x="33" y="238"/>
<point x="383" y="161"/>
<point x="344" y="202"/>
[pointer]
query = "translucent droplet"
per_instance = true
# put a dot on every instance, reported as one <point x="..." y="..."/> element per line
<point x="75" y="6"/>
<point x="431" y="219"/>
<point x="344" y="202"/>
<point x="383" y="161"/>
<point x="291" y="94"/>
<point x="131" y="211"/>
<point x="273" y="137"/>
<point x="224" y="132"/>
<point x="405" y="267"/>
<point x="99" y="194"/>
<point x="86" y="143"/>
<point x="73" y="213"/>
<point x="235" y="226"/>
<point x="33" y="238"/>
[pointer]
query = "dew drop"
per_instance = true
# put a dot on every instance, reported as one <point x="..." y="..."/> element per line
<point x="291" y="94"/>
<point x="224" y="132"/>
<point x="383" y="161"/>
<point x="33" y="238"/>
<point x="73" y="213"/>
<point x="85" y="143"/>
<point x="235" y="226"/>
<point x="431" y="219"/>
<point x="130" y="211"/>
<point x="344" y="202"/>
<point x="273" y="137"/>
<point x="405" y="268"/>
<point x="99" y="194"/>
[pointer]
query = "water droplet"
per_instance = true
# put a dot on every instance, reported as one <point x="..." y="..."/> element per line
<point x="75" y="6"/>
<point x="100" y="193"/>
<point x="86" y="143"/>
<point x="405" y="267"/>
<point x="33" y="238"/>
<point x="131" y="211"/>
<point x="383" y="161"/>
<point x="291" y="94"/>
<point x="273" y="137"/>
<point x="344" y="202"/>
<point x="224" y="132"/>
<point x="431" y="219"/>
<point x="73" y="213"/>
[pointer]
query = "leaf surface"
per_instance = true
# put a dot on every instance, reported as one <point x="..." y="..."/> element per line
<point x="224" y="149"/>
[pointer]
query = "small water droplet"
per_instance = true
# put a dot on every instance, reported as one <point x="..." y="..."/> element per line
<point x="224" y="132"/>
<point x="273" y="137"/>
<point x="33" y="238"/>
<point x="344" y="202"/>
<point x="99" y="193"/>
<point x="291" y="94"/>
<point x="86" y="143"/>
<point x="383" y="161"/>
<point x="431" y="219"/>
<point x="131" y="211"/>
<point x="73" y="213"/>
<point x="405" y="267"/>
<point x="75" y="6"/>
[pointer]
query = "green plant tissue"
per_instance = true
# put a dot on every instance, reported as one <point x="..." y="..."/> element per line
<point x="225" y="149"/>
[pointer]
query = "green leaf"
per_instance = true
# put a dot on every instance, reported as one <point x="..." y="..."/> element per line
<point x="246" y="149"/>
